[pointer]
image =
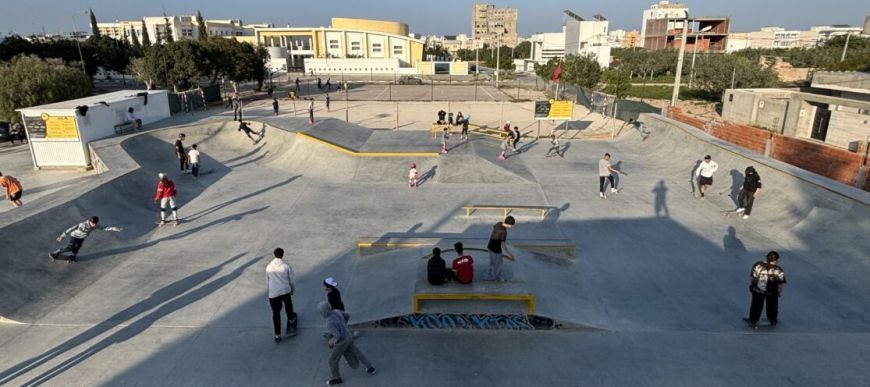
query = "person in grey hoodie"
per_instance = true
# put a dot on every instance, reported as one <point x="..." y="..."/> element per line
<point x="77" y="235"/>
<point x="341" y="343"/>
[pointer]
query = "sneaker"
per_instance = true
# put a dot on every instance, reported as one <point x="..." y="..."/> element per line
<point x="372" y="370"/>
<point x="741" y="209"/>
<point x="614" y="190"/>
<point x="745" y="216"/>
<point x="53" y="255"/>
<point x="702" y="198"/>
<point x="333" y="382"/>
<point x="277" y="338"/>
<point x="601" y="195"/>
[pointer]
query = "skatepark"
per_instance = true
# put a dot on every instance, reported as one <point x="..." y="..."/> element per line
<point x="646" y="287"/>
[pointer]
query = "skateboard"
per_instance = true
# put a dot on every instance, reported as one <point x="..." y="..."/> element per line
<point x="168" y="222"/>
<point x="731" y="213"/>
<point x="61" y="257"/>
<point x="759" y="326"/>
<point x="201" y="173"/>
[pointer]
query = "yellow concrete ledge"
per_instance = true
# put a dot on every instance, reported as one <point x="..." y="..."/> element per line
<point x="529" y="299"/>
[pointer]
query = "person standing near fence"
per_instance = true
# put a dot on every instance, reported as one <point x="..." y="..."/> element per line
<point x="275" y="105"/>
<point x="237" y="107"/>
<point x="327" y="98"/>
<point x="311" y="111"/>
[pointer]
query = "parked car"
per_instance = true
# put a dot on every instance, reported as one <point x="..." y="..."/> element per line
<point x="410" y="80"/>
<point x="4" y="132"/>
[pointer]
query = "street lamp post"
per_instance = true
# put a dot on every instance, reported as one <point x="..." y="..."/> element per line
<point x="78" y="44"/>
<point x="676" y="94"/>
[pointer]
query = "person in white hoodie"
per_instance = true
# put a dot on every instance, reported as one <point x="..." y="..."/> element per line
<point x="704" y="174"/>
<point x="281" y="282"/>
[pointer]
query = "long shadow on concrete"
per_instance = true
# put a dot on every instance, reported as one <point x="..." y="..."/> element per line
<point x="167" y="300"/>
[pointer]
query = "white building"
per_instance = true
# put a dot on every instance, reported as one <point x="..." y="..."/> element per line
<point x="547" y="45"/>
<point x="663" y="10"/>
<point x="180" y="27"/>
<point x="778" y="37"/>
<point x="587" y="37"/>
<point x="615" y="38"/>
<point x="59" y="133"/>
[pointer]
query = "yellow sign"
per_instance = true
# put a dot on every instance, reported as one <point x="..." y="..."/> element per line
<point x="61" y="127"/>
<point x="561" y="110"/>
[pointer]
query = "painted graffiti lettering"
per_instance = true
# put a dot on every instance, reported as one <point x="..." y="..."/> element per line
<point x="468" y="321"/>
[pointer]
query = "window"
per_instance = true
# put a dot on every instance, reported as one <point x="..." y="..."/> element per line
<point x="333" y="44"/>
<point x="397" y="50"/>
<point x="354" y="46"/>
<point x="376" y="47"/>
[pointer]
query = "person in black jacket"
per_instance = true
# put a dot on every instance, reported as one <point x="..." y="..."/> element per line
<point x="437" y="272"/>
<point x="332" y="294"/>
<point x="748" y="192"/>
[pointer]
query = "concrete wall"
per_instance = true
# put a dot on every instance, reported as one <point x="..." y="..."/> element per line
<point x="770" y="114"/>
<point x="738" y="106"/>
<point x="847" y="128"/>
<point x="458" y="68"/>
<point x="352" y="66"/>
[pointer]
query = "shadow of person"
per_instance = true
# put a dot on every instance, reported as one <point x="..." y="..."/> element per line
<point x="430" y="174"/>
<point x="736" y="183"/>
<point x="731" y="244"/>
<point x="692" y="181"/>
<point x="616" y="176"/>
<point x="556" y="212"/>
<point x="661" y="199"/>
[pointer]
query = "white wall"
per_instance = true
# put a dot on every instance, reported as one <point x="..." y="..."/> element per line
<point x="353" y="66"/>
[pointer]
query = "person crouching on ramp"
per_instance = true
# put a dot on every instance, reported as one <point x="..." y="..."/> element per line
<point x="166" y="196"/>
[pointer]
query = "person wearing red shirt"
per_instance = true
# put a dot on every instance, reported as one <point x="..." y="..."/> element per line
<point x="166" y="196"/>
<point x="463" y="265"/>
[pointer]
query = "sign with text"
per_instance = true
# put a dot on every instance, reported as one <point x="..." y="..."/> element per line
<point x="554" y="110"/>
<point x="64" y="127"/>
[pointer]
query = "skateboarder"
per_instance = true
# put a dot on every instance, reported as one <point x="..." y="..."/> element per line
<point x="748" y="191"/>
<point x="497" y="247"/>
<point x="243" y="126"/>
<point x="605" y="174"/>
<point x="704" y="174"/>
<point x="505" y="143"/>
<point x="181" y="154"/>
<point x="413" y="175"/>
<point x="281" y="282"/>
<point x="463" y="265"/>
<point x="437" y="272"/>
<point x="333" y="296"/>
<point x="515" y="135"/>
<point x="342" y="343"/>
<point x="275" y="105"/>
<point x="193" y="156"/>
<point x="237" y="107"/>
<point x="311" y="111"/>
<point x="445" y="134"/>
<point x="766" y="283"/>
<point x="465" y="123"/>
<point x="165" y="195"/>
<point x="77" y="235"/>
<point x="13" y="190"/>
<point x="554" y="147"/>
<point x="327" y="99"/>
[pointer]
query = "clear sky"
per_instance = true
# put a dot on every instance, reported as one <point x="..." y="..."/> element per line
<point x="442" y="17"/>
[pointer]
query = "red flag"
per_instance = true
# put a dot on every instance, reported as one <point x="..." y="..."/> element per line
<point x="557" y="73"/>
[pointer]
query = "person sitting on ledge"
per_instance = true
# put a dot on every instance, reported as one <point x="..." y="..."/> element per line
<point x="437" y="272"/>
<point x="463" y="265"/>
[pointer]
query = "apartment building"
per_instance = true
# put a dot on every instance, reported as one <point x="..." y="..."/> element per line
<point x="493" y="26"/>
<point x="663" y="10"/>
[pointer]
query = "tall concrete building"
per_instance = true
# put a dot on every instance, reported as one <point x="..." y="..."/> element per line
<point x="183" y="27"/>
<point x="663" y="10"/>
<point x="587" y="37"/>
<point x="493" y="26"/>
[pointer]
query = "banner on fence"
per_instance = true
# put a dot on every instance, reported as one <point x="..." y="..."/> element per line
<point x="554" y="110"/>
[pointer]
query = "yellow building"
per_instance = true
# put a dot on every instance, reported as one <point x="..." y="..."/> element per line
<point x="345" y="38"/>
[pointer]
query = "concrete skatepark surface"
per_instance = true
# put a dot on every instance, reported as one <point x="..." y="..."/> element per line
<point x="658" y="285"/>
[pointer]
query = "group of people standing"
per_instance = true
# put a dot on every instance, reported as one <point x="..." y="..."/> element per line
<point x="281" y="285"/>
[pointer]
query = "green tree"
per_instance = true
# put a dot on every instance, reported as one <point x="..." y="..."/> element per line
<point x="135" y="39"/>
<point x="167" y="31"/>
<point x="546" y="70"/>
<point x="146" y="40"/>
<point x="714" y="72"/>
<point x="523" y="50"/>
<point x="201" y="27"/>
<point x="95" y="31"/>
<point x="583" y="71"/>
<point x="139" y="69"/>
<point x="436" y="50"/>
<point x="617" y="82"/>
<point x="27" y="80"/>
